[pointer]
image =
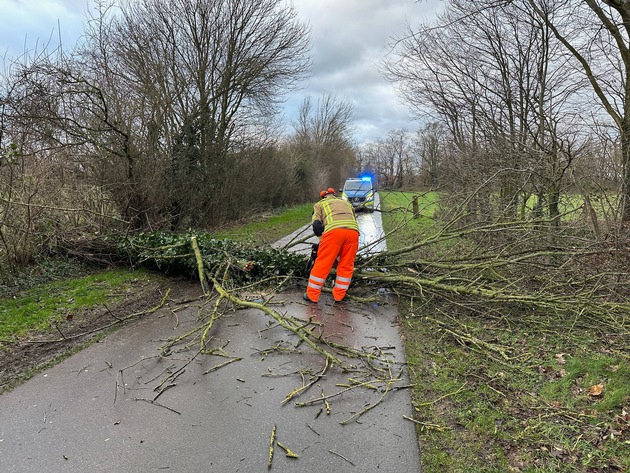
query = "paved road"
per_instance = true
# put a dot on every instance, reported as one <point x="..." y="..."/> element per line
<point x="371" y="237"/>
<point x="90" y="413"/>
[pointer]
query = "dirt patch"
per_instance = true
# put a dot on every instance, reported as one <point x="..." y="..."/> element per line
<point x="22" y="359"/>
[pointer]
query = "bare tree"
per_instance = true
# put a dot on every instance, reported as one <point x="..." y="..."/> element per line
<point x="394" y="160"/>
<point x="322" y="139"/>
<point x="45" y="136"/>
<point x="596" y="33"/>
<point x="493" y="76"/>
<point x="156" y="119"/>
<point x="395" y="156"/>
<point x="428" y="144"/>
<point x="187" y="80"/>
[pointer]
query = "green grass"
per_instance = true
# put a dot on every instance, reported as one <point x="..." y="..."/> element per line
<point x="46" y="270"/>
<point x="582" y="373"/>
<point x="571" y="205"/>
<point x="479" y="412"/>
<point x="34" y="308"/>
<point x="398" y="216"/>
<point x="269" y="228"/>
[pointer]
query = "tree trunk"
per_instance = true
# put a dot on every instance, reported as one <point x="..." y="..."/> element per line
<point x="625" y="161"/>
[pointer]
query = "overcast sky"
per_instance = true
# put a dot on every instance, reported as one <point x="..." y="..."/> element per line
<point x="349" y="37"/>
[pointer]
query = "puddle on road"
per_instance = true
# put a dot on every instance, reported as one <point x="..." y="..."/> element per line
<point x="334" y="322"/>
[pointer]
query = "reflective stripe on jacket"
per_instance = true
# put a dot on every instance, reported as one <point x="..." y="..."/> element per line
<point x="335" y="213"/>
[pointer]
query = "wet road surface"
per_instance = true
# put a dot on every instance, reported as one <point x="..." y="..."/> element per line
<point x="85" y="414"/>
<point x="97" y="411"/>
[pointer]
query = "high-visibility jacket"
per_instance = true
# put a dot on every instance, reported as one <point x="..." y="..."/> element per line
<point x="340" y="240"/>
<point x="334" y="213"/>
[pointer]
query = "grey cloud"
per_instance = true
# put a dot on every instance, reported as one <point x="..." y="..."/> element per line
<point x="350" y="41"/>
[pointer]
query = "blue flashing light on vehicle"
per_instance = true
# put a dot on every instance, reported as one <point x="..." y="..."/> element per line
<point x="366" y="176"/>
<point x="359" y="192"/>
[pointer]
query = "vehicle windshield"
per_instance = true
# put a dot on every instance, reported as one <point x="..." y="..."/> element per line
<point x="357" y="185"/>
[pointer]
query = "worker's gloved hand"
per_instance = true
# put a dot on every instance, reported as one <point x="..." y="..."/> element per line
<point x="318" y="228"/>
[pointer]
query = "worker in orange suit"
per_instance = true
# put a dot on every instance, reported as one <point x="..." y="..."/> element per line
<point x="334" y="221"/>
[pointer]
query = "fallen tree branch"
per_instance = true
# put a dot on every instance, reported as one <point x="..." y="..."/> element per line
<point x="282" y="321"/>
<point x="150" y="401"/>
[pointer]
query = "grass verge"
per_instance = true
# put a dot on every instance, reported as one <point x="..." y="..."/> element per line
<point x="405" y="220"/>
<point x="38" y="307"/>
<point x="498" y="392"/>
<point x="48" y="322"/>
<point x="270" y="227"/>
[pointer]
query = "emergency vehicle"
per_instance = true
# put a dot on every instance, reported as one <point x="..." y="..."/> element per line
<point x="359" y="192"/>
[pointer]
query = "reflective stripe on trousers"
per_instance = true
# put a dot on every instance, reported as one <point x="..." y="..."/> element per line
<point x="342" y="242"/>
<point x="316" y="283"/>
<point x="342" y="283"/>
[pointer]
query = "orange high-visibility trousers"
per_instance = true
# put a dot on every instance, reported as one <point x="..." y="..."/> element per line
<point x="342" y="242"/>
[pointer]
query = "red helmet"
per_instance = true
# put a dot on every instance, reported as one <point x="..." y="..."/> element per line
<point x="323" y="194"/>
